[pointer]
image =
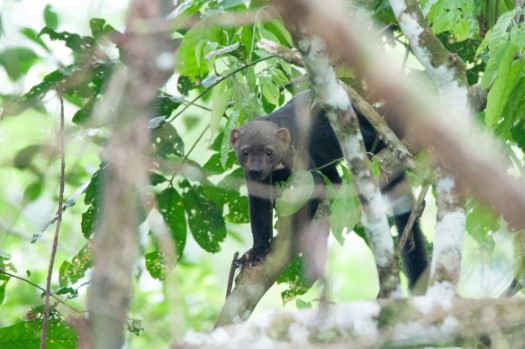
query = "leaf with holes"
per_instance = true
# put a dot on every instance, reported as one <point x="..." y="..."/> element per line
<point x="72" y="271"/>
<point x="171" y="207"/>
<point x="205" y="218"/>
<point x="166" y="141"/>
<point x="293" y="276"/>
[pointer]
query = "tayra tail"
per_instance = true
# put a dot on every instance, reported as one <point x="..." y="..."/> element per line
<point x="414" y="253"/>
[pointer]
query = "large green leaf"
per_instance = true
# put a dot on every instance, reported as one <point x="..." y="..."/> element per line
<point x="26" y="334"/>
<point x="32" y="35"/>
<point x="345" y="208"/>
<point x="50" y="17"/>
<point x="74" y="270"/>
<point x="294" y="277"/>
<point x="166" y="141"/>
<point x="77" y="43"/>
<point x="481" y="223"/>
<point x="171" y="207"/>
<point x="17" y="61"/>
<point x="205" y="218"/>
<point x="156" y="265"/>
<point x="509" y="72"/>
<point x="99" y="27"/>
<point x="197" y="42"/>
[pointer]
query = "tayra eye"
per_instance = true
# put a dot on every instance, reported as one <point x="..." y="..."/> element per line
<point x="269" y="152"/>
<point x="245" y="152"/>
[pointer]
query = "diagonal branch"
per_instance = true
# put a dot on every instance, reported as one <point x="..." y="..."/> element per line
<point x="448" y="72"/>
<point x="332" y="96"/>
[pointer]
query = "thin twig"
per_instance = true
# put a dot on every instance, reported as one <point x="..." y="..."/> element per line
<point x="233" y="267"/>
<point x="61" y="301"/>
<point x="221" y="79"/>
<point x="188" y="154"/>
<point x="416" y="212"/>
<point x="59" y="220"/>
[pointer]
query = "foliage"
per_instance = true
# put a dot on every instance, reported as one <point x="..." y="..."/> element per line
<point x="194" y="180"/>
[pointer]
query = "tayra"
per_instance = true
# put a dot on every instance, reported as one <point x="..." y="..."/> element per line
<point x="268" y="149"/>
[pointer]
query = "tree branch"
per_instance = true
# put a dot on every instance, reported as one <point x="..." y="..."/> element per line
<point x="332" y="96"/>
<point x="45" y="321"/>
<point x="448" y="72"/>
<point x="253" y="282"/>
<point x="387" y="323"/>
<point x="128" y="104"/>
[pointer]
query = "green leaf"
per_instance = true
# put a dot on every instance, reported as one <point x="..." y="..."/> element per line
<point x="345" y="209"/>
<point x="26" y="334"/>
<point x="299" y="189"/>
<point x="517" y="35"/>
<point x="171" y="207"/>
<point x="195" y="45"/>
<point x="276" y="31"/>
<point x="4" y="279"/>
<point x="295" y="279"/>
<point x="99" y="27"/>
<point x="499" y="34"/>
<point x="156" y="265"/>
<point x="166" y="141"/>
<point x="83" y="114"/>
<point x="481" y="222"/>
<point x="17" y="61"/>
<point x="205" y="218"/>
<point x="35" y="94"/>
<point x="33" y="190"/>
<point x="156" y="178"/>
<point x="72" y="271"/>
<point x="514" y="109"/>
<point x="270" y="90"/>
<point x="90" y="219"/>
<point x="69" y="292"/>
<point x="300" y="304"/>
<point x="238" y="208"/>
<point x="93" y="187"/>
<point x="221" y="97"/>
<point x="32" y="35"/>
<point x="492" y="65"/>
<point x="50" y="17"/>
<point x="166" y="104"/>
<point x="77" y="43"/>
<point x="518" y="134"/>
<point x="508" y="73"/>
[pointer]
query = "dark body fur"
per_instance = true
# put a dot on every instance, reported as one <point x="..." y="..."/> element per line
<point x="267" y="149"/>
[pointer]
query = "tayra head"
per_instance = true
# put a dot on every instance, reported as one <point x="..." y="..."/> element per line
<point x="260" y="147"/>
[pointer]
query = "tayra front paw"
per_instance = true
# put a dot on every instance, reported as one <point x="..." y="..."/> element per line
<point x="253" y="256"/>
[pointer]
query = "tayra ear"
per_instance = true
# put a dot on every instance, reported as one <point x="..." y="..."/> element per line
<point x="235" y="134"/>
<point x="284" y="135"/>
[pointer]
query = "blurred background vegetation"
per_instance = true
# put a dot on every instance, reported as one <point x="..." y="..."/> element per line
<point x="38" y="51"/>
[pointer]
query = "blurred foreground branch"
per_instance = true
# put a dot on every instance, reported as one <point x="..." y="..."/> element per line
<point x="128" y="105"/>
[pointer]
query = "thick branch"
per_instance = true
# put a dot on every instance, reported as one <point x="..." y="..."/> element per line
<point x="253" y="282"/>
<point x="332" y="96"/>
<point x="127" y="104"/>
<point x="448" y="73"/>
<point x="392" y="323"/>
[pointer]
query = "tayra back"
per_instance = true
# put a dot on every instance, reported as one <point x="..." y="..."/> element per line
<point x="268" y="149"/>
